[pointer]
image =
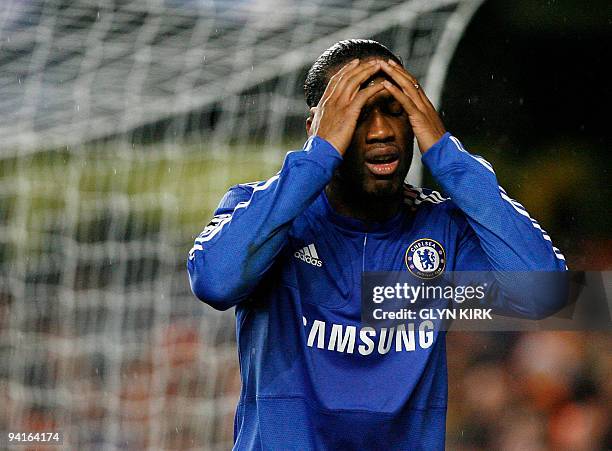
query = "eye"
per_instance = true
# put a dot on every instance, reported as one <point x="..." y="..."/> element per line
<point x="395" y="109"/>
<point x="365" y="111"/>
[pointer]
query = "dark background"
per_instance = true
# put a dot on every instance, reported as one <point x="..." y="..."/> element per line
<point x="528" y="89"/>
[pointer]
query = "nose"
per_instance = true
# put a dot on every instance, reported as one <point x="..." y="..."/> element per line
<point x="379" y="128"/>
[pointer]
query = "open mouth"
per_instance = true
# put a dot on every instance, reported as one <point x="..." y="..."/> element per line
<point x="383" y="162"/>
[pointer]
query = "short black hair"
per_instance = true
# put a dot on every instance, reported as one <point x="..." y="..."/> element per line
<point x="336" y="56"/>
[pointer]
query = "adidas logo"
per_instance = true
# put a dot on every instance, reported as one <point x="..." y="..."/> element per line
<point x="308" y="254"/>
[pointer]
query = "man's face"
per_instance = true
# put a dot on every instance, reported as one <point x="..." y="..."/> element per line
<point x="380" y="153"/>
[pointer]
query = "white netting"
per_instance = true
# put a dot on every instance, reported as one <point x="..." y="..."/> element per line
<point x="122" y="125"/>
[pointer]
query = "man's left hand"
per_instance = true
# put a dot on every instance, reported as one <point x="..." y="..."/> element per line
<point x="424" y="119"/>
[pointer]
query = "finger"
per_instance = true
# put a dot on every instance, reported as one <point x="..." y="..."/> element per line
<point x="417" y="94"/>
<point x="340" y="83"/>
<point x="425" y="98"/>
<point x="348" y="66"/>
<point x="426" y="106"/>
<point x="402" y="70"/>
<point x="404" y="99"/>
<point x="401" y="77"/>
<point x="413" y="80"/>
<point x="334" y="79"/>
<point x="363" y="95"/>
<point x="417" y="86"/>
<point x="405" y="80"/>
<point x="351" y="82"/>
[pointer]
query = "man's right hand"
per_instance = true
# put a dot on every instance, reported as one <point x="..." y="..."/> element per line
<point x="336" y="115"/>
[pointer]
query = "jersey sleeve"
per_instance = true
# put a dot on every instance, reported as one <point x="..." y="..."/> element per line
<point x="502" y="238"/>
<point x="251" y="225"/>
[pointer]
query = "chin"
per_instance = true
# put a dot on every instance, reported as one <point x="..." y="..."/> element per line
<point x="383" y="188"/>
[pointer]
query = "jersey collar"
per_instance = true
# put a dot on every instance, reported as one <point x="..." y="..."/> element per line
<point x="356" y="225"/>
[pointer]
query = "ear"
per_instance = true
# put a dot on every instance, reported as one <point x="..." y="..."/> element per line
<point x="309" y="120"/>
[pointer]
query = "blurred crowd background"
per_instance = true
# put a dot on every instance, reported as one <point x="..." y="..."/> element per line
<point x="531" y="391"/>
<point x="115" y="351"/>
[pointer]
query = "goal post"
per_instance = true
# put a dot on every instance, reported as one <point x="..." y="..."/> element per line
<point x="123" y="123"/>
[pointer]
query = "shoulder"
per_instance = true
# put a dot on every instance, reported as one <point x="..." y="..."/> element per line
<point x="419" y="199"/>
<point x="236" y="194"/>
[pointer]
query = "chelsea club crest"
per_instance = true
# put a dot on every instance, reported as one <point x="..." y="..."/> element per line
<point x="425" y="258"/>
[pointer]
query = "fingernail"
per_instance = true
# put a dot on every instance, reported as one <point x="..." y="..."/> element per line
<point x="393" y="63"/>
<point x="355" y="61"/>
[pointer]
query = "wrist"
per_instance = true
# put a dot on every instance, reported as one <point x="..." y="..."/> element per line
<point x="320" y="148"/>
<point x="429" y="142"/>
<point x="332" y="143"/>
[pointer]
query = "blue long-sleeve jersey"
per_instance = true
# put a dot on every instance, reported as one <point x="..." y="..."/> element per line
<point x="312" y="376"/>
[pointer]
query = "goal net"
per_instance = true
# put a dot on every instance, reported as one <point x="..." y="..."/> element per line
<point x="123" y="123"/>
